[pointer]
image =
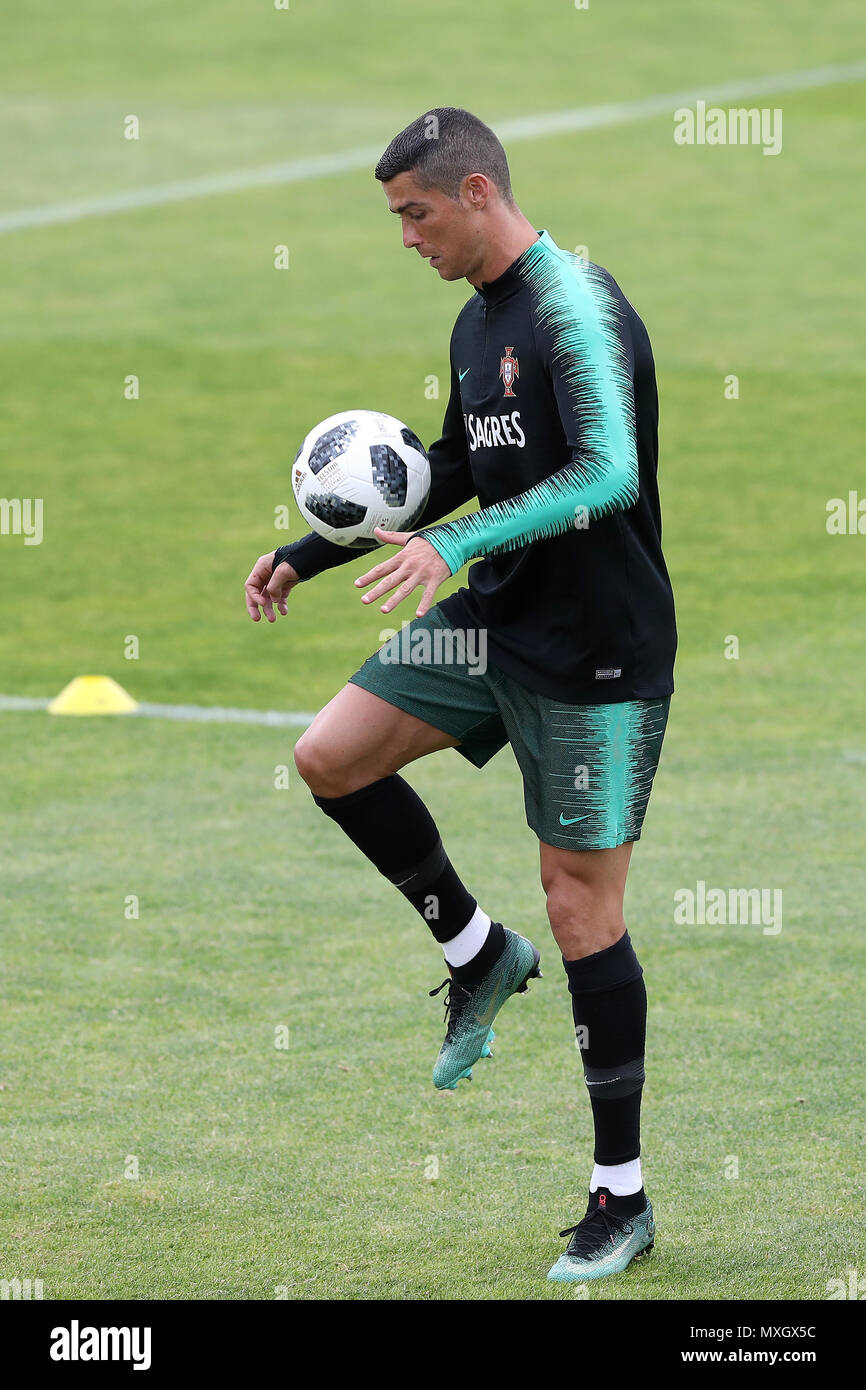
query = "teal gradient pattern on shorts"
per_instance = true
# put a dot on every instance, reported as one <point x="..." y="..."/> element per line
<point x="587" y="769"/>
<point x="602" y="778"/>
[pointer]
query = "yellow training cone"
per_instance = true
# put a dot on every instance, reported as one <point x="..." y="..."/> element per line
<point x="93" y="695"/>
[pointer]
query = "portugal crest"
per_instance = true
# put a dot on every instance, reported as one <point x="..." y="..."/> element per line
<point x="509" y="370"/>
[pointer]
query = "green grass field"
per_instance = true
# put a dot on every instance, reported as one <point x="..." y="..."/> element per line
<point x="303" y="1170"/>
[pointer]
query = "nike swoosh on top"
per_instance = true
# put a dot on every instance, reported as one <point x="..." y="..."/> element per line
<point x="461" y="375"/>
<point x="571" y="819"/>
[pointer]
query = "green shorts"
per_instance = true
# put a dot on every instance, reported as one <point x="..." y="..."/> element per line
<point x="587" y="769"/>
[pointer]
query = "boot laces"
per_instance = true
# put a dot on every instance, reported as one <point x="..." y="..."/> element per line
<point x="455" y="1002"/>
<point x="596" y="1226"/>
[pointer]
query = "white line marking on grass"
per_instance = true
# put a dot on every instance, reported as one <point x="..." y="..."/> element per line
<point x="11" y="702"/>
<point x="206" y="714"/>
<point x="347" y="161"/>
<point x="198" y="714"/>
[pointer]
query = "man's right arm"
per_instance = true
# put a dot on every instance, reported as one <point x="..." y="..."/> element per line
<point x="450" y="486"/>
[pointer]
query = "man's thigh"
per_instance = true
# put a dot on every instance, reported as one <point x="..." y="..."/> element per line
<point x="593" y="879"/>
<point x="358" y="737"/>
<point x="419" y="693"/>
<point x="434" y="672"/>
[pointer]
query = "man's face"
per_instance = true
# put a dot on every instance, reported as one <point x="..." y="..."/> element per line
<point x="441" y="229"/>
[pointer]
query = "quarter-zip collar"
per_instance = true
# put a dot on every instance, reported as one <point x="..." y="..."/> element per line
<point x="509" y="282"/>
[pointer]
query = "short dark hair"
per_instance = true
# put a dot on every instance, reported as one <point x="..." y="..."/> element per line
<point x="441" y="147"/>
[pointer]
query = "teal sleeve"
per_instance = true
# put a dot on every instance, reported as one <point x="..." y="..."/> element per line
<point x="585" y="344"/>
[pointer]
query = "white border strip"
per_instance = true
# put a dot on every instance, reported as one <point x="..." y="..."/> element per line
<point x="347" y="161"/>
<point x="197" y="714"/>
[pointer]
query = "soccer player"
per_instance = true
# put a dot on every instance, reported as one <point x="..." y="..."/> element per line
<point x="552" y="423"/>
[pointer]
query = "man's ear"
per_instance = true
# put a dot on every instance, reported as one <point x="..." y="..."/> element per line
<point x="475" y="190"/>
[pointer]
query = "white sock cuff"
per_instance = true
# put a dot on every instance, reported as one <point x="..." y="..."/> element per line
<point x="468" y="942"/>
<point x="620" y="1179"/>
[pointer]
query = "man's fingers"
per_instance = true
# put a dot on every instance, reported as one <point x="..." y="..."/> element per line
<point x="393" y="537"/>
<point x="278" y="591"/>
<point x="377" y="571"/>
<point x="259" y="601"/>
<point x="385" y="585"/>
<point x="402" y="573"/>
<point x="253" y="596"/>
<point x="255" y="583"/>
<point x="386" y="580"/>
<point x="264" y="589"/>
<point x="404" y="589"/>
<point x="427" y="598"/>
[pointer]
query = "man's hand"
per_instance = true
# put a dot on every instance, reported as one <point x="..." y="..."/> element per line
<point x="417" y="563"/>
<point x="267" y="586"/>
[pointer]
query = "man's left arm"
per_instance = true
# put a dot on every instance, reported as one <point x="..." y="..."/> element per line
<point x="585" y="343"/>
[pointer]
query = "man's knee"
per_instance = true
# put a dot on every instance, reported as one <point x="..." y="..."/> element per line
<point x="332" y="768"/>
<point x="315" y="761"/>
<point x="584" y="905"/>
<point x="570" y="892"/>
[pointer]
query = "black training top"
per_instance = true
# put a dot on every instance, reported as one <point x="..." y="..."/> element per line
<point x="552" y="423"/>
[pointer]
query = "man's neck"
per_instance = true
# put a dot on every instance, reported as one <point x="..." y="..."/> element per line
<point x="507" y="242"/>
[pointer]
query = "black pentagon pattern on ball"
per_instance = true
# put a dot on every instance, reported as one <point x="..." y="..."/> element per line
<point x="331" y="444"/>
<point x="411" y="438"/>
<point x="389" y="474"/>
<point x="335" y="511"/>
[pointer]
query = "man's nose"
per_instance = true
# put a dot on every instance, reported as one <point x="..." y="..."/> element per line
<point x="410" y="236"/>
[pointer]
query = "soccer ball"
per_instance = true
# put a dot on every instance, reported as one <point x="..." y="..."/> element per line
<point x="358" y="470"/>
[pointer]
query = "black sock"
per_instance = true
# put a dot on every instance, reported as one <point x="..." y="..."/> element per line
<point x="390" y="824"/>
<point x="608" y="1000"/>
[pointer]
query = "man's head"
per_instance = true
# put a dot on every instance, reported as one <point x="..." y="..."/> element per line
<point x="447" y="176"/>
